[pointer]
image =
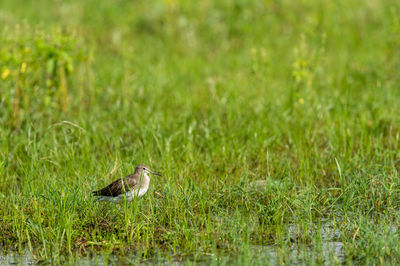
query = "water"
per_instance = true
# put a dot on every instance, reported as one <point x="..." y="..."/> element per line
<point x="327" y="250"/>
<point x="26" y="258"/>
<point x="16" y="258"/>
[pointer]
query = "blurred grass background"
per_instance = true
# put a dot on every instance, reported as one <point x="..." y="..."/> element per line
<point x="215" y="95"/>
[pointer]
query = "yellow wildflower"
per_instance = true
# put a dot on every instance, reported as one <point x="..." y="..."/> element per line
<point x="171" y="3"/>
<point x="5" y="73"/>
<point x="301" y="101"/>
<point x="23" y="67"/>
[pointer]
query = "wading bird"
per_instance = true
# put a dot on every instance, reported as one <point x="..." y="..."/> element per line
<point x="129" y="187"/>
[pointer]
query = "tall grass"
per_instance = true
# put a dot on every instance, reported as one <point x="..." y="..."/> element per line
<point x="214" y="95"/>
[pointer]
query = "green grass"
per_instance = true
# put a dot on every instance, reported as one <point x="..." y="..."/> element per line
<point x="214" y="95"/>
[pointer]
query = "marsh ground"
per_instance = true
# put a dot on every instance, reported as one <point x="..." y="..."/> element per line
<point x="215" y="95"/>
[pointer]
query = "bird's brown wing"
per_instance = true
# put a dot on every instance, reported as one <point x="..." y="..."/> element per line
<point x="117" y="187"/>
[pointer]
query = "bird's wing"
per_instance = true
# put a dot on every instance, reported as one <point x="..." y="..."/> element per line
<point x="117" y="187"/>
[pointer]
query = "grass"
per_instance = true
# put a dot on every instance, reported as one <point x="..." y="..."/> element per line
<point x="214" y="95"/>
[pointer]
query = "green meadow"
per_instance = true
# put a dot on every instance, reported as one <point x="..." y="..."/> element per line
<point x="275" y="126"/>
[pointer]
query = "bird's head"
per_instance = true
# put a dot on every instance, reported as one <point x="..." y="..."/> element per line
<point x="143" y="168"/>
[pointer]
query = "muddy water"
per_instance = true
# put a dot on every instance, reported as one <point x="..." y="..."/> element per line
<point x="331" y="253"/>
<point x="328" y="250"/>
<point x="15" y="258"/>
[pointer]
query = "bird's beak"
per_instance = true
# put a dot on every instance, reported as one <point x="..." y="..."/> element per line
<point x="154" y="173"/>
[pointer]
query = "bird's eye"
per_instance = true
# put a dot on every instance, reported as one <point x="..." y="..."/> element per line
<point x="144" y="168"/>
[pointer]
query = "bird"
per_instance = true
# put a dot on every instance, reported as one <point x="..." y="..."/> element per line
<point x="129" y="187"/>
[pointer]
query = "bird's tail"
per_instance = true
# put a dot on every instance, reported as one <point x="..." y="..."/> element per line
<point x="97" y="195"/>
